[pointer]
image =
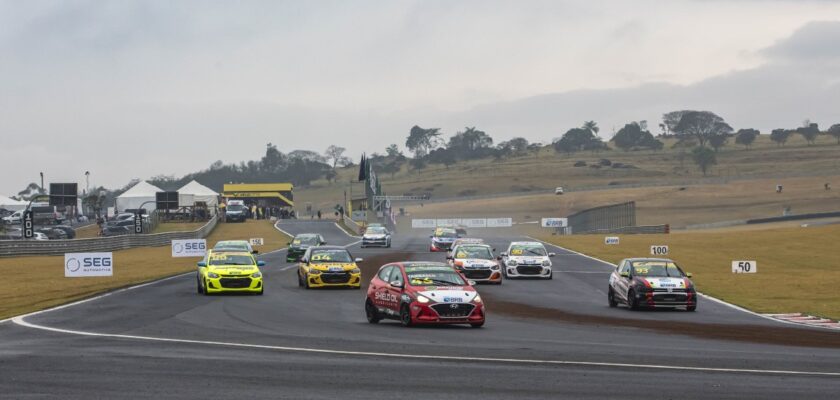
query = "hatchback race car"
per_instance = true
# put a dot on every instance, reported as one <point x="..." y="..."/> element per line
<point x="300" y="243"/>
<point x="329" y="266"/>
<point x="475" y="261"/>
<point x="376" y="236"/>
<point x="423" y="293"/>
<point x="229" y="272"/>
<point x="651" y="283"/>
<point x="442" y="239"/>
<point x="526" y="260"/>
<point x="234" y="245"/>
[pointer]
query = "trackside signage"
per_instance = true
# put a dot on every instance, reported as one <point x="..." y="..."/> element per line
<point x="88" y="264"/>
<point x="189" y="248"/>
<point x="744" y="267"/>
<point x="464" y="222"/>
<point x="256" y="241"/>
<point x="423" y="223"/>
<point x="611" y="240"/>
<point x="554" y="222"/>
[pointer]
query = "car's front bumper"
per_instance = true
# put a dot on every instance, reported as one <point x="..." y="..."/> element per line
<point x="440" y="246"/>
<point x="226" y="284"/>
<point x="663" y="299"/>
<point x="444" y="314"/>
<point x="334" y="279"/>
<point x="374" y="242"/>
<point x="528" y="271"/>
<point x="482" y="274"/>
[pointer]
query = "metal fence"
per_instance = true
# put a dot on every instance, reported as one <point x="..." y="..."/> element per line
<point x="13" y="248"/>
<point x="604" y="218"/>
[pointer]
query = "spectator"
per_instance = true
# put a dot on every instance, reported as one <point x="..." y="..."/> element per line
<point x="827" y="186"/>
<point x="319" y="214"/>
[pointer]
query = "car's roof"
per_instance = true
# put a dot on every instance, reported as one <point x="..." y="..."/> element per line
<point x="234" y="253"/>
<point x="306" y="234"/>
<point x="637" y="259"/>
<point x="471" y="244"/>
<point x="419" y="264"/>
<point x="232" y="242"/>
<point x="523" y="243"/>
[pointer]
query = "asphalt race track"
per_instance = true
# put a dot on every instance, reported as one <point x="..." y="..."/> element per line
<point x="543" y="339"/>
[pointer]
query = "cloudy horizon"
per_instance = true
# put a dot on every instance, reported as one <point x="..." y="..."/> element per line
<point x="137" y="89"/>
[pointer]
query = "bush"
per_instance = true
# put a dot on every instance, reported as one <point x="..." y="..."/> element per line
<point x="580" y="163"/>
<point x="605" y="162"/>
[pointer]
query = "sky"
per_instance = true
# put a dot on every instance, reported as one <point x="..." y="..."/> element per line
<point x="134" y="89"/>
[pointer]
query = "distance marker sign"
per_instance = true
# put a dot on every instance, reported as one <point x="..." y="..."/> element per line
<point x="744" y="267"/>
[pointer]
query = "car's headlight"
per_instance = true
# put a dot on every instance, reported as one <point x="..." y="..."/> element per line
<point x="314" y="271"/>
<point x="355" y="271"/>
<point x="511" y="263"/>
<point x="494" y="267"/>
<point x="422" y="299"/>
<point x="212" y="275"/>
<point x="477" y="299"/>
<point x="546" y="263"/>
<point x="256" y="275"/>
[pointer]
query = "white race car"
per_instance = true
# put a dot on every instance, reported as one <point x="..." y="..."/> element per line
<point x="526" y="259"/>
<point x="376" y="236"/>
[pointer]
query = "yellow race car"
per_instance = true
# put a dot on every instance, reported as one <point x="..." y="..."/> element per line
<point x="229" y="272"/>
<point x="329" y="266"/>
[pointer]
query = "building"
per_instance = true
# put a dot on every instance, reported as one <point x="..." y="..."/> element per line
<point x="261" y="194"/>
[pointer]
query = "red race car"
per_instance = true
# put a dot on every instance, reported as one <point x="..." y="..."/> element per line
<point x="423" y="293"/>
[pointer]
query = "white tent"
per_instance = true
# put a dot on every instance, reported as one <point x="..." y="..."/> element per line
<point x="138" y="194"/>
<point x="12" y="204"/>
<point x="194" y="191"/>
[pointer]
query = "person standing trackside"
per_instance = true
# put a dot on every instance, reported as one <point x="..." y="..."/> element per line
<point x="319" y="214"/>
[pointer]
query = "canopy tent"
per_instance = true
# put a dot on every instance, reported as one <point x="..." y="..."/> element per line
<point x="12" y="204"/>
<point x="194" y="192"/>
<point x="138" y="194"/>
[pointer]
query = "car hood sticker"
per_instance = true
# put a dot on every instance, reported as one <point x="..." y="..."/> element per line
<point x="664" y="283"/>
<point x="450" y="295"/>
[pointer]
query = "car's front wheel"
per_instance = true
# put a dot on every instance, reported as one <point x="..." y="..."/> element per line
<point x="371" y="312"/>
<point x="405" y="316"/>
<point x="631" y="300"/>
<point x="611" y="298"/>
<point x="198" y="288"/>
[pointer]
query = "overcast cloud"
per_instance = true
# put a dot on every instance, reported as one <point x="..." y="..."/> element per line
<point x="135" y="89"/>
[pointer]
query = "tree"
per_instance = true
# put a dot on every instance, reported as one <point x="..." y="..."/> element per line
<point x="393" y="151"/>
<point x="628" y="137"/>
<point x="442" y="156"/>
<point x="421" y="141"/>
<point x="591" y="126"/>
<point x="577" y="139"/>
<point x="835" y="131"/>
<point x="334" y="153"/>
<point x="809" y="131"/>
<point x="671" y="120"/>
<point x="470" y="143"/>
<point x="701" y="126"/>
<point x="718" y="141"/>
<point x="780" y="136"/>
<point x="391" y="167"/>
<point x="746" y="137"/>
<point x="704" y="157"/>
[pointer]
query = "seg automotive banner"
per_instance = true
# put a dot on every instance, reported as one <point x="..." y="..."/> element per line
<point x="189" y="248"/>
<point x="88" y="264"/>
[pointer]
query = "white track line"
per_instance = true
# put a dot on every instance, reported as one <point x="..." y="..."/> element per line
<point x="20" y="321"/>
<point x="714" y="299"/>
<point x="345" y="231"/>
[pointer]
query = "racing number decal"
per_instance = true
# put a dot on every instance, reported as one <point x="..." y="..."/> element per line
<point x="321" y="257"/>
<point x="516" y="252"/>
<point x="421" y="281"/>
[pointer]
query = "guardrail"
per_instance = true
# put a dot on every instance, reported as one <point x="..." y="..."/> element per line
<point x="348" y="222"/>
<point x="13" y="248"/>
<point x="794" y="217"/>
<point x="645" y="229"/>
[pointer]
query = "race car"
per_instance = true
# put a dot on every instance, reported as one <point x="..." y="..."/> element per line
<point x="423" y="293"/>
<point x="329" y="266"/>
<point x="651" y="283"/>
<point x="526" y="259"/>
<point x="463" y="240"/>
<point x="300" y="243"/>
<point x="442" y="239"/>
<point x="234" y="245"/>
<point x="376" y="236"/>
<point x="229" y="272"/>
<point x="475" y="261"/>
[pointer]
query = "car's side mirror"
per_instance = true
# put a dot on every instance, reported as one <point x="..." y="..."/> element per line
<point x="323" y="243"/>
<point x="260" y="263"/>
<point x="358" y="260"/>
<point x="431" y="236"/>
<point x="305" y="261"/>
<point x="450" y="258"/>
<point x="255" y="252"/>
<point x="688" y="275"/>
<point x="494" y="249"/>
<point x="625" y="274"/>
<point x="201" y="264"/>
<point x="397" y="284"/>
<point x="552" y="254"/>
<point x="288" y="243"/>
<point x="502" y="254"/>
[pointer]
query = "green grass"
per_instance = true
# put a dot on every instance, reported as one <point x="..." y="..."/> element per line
<point x="44" y="284"/>
<point x="798" y="268"/>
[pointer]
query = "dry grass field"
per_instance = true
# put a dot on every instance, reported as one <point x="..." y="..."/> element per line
<point x="798" y="268"/>
<point x="44" y="284"/>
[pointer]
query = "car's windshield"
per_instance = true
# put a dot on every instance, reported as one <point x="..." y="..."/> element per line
<point x="445" y="233"/>
<point x="527" y="250"/>
<point x="231" y="259"/>
<point x="656" y="269"/>
<point x="235" y="208"/>
<point x="308" y="240"/>
<point x="375" y="231"/>
<point x="433" y="276"/>
<point x="230" y="246"/>
<point x="330" y="256"/>
<point x="479" y="252"/>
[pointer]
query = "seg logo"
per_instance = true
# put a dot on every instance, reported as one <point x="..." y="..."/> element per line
<point x="88" y="264"/>
<point x="189" y="247"/>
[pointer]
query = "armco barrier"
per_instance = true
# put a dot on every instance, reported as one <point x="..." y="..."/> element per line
<point x="11" y="248"/>
<point x="646" y="229"/>
<point x="355" y="226"/>
<point x="794" y="217"/>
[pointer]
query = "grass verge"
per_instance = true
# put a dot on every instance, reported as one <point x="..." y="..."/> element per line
<point x="798" y="268"/>
<point x="40" y="283"/>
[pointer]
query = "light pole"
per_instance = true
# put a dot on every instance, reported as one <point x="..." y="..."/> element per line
<point x="87" y="181"/>
<point x="42" y="182"/>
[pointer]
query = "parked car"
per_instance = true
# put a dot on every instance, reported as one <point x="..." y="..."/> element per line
<point x="14" y="218"/>
<point x="69" y="231"/>
<point x="114" y="230"/>
<point x="52" y="233"/>
<point x="558" y="190"/>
